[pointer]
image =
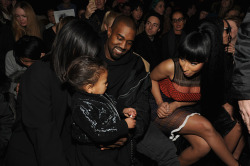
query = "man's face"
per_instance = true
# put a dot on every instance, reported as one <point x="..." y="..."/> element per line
<point x="152" y="26"/>
<point x="119" y="42"/>
<point x="100" y="4"/>
<point x="126" y="10"/>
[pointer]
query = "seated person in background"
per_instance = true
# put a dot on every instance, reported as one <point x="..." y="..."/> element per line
<point x="96" y="120"/>
<point x="51" y="18"/>
<point x="171" y="40"/>
<point x="26" y="51"/>
<point x="108" y="20"/>
<point x="95" y="12"/>
<point x="147" y="44"/>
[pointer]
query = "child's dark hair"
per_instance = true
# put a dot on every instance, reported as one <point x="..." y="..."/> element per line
<point x="85" y="70"/>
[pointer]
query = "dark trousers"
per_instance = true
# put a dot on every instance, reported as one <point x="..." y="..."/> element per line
<point x="158" y="147"/>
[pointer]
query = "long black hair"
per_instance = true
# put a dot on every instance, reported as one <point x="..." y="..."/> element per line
<point x="76" y="38"/>
<point x="213" y="72"/>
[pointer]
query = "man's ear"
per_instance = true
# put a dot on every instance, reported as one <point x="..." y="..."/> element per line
<point x="159" y="30"/>
<point x="109" y="31"/>
<point x="88" y="88"/>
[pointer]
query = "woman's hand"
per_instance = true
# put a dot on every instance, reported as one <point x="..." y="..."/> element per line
<point x="165" y="109"/>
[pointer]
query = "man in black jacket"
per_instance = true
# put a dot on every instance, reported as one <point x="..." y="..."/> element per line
<point x="147" y="44"/>
<point x="130" y="84"/>
<point x="241" y="77"/>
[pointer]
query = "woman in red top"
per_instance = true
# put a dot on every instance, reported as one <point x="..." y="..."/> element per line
<point x="176" y="90"/>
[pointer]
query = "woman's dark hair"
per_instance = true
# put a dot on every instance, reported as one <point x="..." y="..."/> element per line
<point x="177" y="11"/>
<point x="76" y="38"/>
<point x="135" y="4"/>
<point x="195" y="47"/>
<point x="213" y="72"/>
<point x="28" y="47"/>
<point x="85" y="70"/>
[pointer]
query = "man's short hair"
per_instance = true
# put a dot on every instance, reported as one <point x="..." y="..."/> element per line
<point x="125" y="19"/>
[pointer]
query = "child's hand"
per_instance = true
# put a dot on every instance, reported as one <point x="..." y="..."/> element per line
<point x="131" y="122"/>
<point x="129" y="112"/>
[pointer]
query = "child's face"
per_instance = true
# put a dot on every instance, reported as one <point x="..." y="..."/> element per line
<point x="101" y="85"/>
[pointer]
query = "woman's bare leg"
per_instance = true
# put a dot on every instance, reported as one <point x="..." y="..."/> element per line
<point x="198" y="149"/>
<point x="235" y="141"/>
<point x="239" y="148"/>
<point x="198" y="125"/>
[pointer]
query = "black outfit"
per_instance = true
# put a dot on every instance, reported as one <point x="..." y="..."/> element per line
<point x="149" y="50"/>
<point x="241" y="77"/>
<point x="170" y="43"/>
<point x="41" y="134"/>
<point x="96" y="122"/>
<point x="48" y="38"/>
<point x="130" y="85"/>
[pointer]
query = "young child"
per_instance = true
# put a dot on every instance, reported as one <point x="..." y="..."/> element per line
<point x="96" y="121"/>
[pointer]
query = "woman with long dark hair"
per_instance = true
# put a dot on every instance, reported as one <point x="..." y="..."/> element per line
<point x="42" y="133"/>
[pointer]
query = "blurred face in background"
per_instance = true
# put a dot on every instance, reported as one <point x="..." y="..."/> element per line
<point x="160" y="8"/>
<point x="5" y="3"/>
<point x="100" y="4"/>
<point x="225" y="3"/>
<point x="51" y="16"/>
<point x="126" y="10"/>
<point x="21" y="17"/>
<point x="203" y="14"/>
<point x="137" y="13"/>
<point x="178" y="22"/>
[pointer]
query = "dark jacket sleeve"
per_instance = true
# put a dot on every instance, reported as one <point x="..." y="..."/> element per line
<point x="43" y="114"/>
<point x="241" y="76"/>
<point x="99" y="126"/>
<point x="137" y="96"/>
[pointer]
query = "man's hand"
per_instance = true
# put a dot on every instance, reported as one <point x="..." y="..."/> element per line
<point x="120" y="142"/>
<point x="245" y="112"/>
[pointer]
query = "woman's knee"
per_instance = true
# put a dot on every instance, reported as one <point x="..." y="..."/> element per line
<point x="202" y="148"/>
<point x="205" y="127"/>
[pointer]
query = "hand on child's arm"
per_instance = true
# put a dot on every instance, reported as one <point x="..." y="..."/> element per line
<point x="129" y="112"/>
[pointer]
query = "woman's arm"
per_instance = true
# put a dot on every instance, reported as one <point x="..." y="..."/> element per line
<point x="162" y="71"/>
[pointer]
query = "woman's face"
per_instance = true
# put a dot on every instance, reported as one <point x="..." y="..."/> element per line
<point x="234" y="29"/>
<point x="190" y="68"/>
<point x="226" y="39"/>
<point x="137" y="13"/>
<point x="160" y="8"/>
<point x="5" y="3"/>
<point x="225" y="3"/>
<point x="21" y="17"/>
